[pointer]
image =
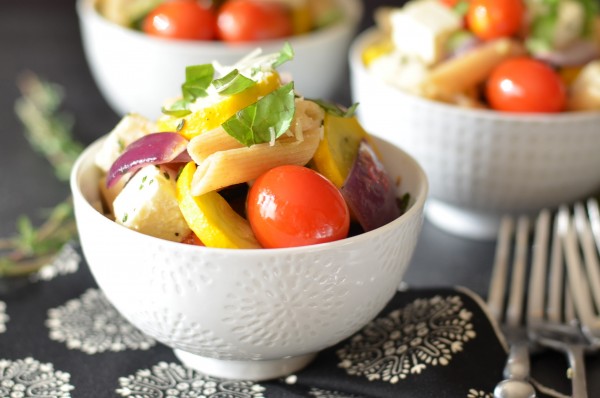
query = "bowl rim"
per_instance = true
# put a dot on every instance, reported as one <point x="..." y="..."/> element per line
<point x="86" y="10"/>
<point x="418" y="200"/>
<point x="372" y="33"/>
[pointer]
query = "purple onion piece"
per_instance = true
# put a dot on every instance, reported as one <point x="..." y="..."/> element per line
<point x="155" y="148"/>
<point x="578" y="53"/>
<point x="369" y="191"/>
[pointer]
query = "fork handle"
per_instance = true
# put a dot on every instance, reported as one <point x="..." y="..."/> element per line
<point x="516" y="373"/>
<point x="575" y="354"/>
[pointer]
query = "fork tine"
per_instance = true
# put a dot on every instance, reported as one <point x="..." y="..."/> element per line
<point x="590" y="253"/>
<point x="537" y="278"/>
<point x="556" y="275"/>
<point x="514" y="310"/>
<point x="500" y="269"/>
<point x="594" y="215"/>
<point x="577" y="284"/>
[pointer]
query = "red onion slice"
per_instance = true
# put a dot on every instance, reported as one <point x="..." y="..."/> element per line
<point x="369" y="191"/>
<point x="156" y="148"/>
<point x="578" y="53"/>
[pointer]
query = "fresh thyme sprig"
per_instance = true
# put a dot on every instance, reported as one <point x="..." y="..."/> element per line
<point x="49" y="133"/>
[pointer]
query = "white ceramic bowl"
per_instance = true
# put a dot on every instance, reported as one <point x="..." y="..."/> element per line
<point x="252" y="314"/>
<point x="481" y="163"/>
<point x="137" y="73"/>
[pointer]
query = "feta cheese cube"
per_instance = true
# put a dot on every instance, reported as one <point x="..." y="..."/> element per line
<point x="148" y="204"/>
<point x="403" y="71"/>
<point x="421" y="29"/>
<point x="130" y="128"/>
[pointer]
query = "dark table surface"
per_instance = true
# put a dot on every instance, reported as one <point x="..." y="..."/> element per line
<point x="43" y="37"/>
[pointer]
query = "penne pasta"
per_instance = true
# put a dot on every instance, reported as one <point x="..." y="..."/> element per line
<point x="459" y="74"/>
<point x="224" y="168"/>
<point x="207" y="143"/>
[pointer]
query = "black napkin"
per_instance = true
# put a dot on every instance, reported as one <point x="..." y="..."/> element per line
<point x="425" y="343"/>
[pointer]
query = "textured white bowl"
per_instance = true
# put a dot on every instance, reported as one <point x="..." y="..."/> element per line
<point x="137" y="73"/>
<point x="252" y="314"/>
<point x="480" y="163"/>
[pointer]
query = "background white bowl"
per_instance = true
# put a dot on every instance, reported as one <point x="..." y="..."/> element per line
<point x="481" y="163"/>
<point x="252" y="314"/>
<point x="137" y="73"/>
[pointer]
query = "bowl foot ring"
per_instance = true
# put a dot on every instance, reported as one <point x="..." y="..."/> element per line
<point x="256" y="370"/>
<point x="462" y="222"/>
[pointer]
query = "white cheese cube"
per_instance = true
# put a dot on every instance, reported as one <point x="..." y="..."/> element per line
<point x="130" y="128"/>
<point x="421" y="29"/>
<point x="569" y="23"/>
<point x="405" y="72"/>
<point x="148" y="204"/>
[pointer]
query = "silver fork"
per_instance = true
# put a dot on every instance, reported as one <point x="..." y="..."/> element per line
<point x="552" y="320"/>
<point x="584" y="273"/>
<point x="516" y="371"/>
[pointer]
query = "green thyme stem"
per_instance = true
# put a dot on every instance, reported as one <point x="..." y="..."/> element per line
<point x="49" y="133"/>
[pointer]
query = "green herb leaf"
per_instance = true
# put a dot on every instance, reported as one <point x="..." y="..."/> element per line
<point x="335" y="109"/>
<point x="177" y="109"/>
<point x="286" y="54"/>
<point x="232" y="83"/>
<point x="197" y="80"/>
<point x="271" y="114"/>
<point x="461" y="8"/>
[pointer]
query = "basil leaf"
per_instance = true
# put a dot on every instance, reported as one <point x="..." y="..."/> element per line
<point x="335" y="109"/>
<point x="232" y="83"/>
<point x="273" y="112"/>
<point x="286" y="54"/>
<point x="177" y="109"/>
<point x="197" y="80"/>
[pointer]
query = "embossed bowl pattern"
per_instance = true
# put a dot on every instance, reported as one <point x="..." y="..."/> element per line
<point x="481" y="163"/>
<point x="136" y="72"/>
<point x="248" y="307"/>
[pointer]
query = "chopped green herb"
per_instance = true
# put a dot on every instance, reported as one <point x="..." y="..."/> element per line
<point x="232" y="83"/>
<point x="177" y="109"/>
<point x="144" y="178"/>
<point x="286" y="54"/>
<point x="167" y="175"/>
<point x="180" y="125"/>
<point x="125" y="216"/>
<point x="335" y="109"/>
<point x="273" y="113"/>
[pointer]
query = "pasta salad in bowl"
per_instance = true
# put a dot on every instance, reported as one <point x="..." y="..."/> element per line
<point x="248" y="227"/>
<point x="502" y="114"/>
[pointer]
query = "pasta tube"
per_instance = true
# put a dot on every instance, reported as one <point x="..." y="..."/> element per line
<point x="462" y="73"/>
<point x="224" y="168"/>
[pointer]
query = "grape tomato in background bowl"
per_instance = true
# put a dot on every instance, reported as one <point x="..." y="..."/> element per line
<point x="137" y="72"/>
<point x="482" y="163"/>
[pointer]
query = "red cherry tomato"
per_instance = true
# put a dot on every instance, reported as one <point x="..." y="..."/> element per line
<point x="524" y="84"/>
<point x="491" y="19"/>
<point x="251" y="20"/>
<point x="181" y="19"/>
<point x="295" y="206"/>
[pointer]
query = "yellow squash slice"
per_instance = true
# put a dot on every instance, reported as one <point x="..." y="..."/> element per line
<point x="212" y="116"/>
<point x="211" y="218"/>
<point x="338" y="148"/>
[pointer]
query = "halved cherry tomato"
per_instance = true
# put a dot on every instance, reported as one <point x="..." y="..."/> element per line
<point x="524" y="84"/>
<point x="295" y="206"/>
<point x="251" y="20"/>
<point x="491" y="19"/>
<point x="181" y="19"/>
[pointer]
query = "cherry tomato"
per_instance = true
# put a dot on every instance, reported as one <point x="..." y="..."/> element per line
<point x="251" y="20"/>
<point x="524" y="84"/>
<point x="295" y="206"/>
<point x="181" y="19"/>
<point x="491" y="19"/>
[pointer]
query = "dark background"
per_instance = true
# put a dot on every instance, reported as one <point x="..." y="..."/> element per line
<point x="42" y="36"/>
